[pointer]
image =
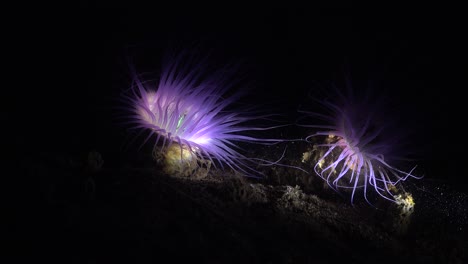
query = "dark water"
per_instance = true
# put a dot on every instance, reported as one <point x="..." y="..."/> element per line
<point x="70" y="67"/>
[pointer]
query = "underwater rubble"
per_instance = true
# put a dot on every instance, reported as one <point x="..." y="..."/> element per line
<point x="86" y="211"/>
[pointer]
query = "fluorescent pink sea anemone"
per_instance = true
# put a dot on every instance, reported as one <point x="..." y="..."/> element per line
<point x="358" y="144"/>
<point x="193" y="107"/>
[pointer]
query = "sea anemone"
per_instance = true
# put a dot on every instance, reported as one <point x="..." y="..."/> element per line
<point x="358" y="144"/>
<point x="190" y="112"/>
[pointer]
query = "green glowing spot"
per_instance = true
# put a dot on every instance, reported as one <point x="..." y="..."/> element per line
<point x="181" y="119"/>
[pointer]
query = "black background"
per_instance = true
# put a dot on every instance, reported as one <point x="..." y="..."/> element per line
<point x="69" y="67"/>
<point x="66" y="69"/>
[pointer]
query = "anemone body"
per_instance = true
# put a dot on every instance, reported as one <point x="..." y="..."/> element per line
<point x="189" y="106"/>
<point x="358" y="145"/>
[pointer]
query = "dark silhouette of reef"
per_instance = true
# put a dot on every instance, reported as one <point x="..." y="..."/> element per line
<point x="80" y="210"/>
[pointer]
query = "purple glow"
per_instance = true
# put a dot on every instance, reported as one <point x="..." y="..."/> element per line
<point x="357" y="137"/>
<point x="189" y="107"/>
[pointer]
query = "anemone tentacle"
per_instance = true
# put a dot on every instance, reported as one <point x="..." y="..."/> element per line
<point x="358" y="140"/>
<point x="190" y="106"/>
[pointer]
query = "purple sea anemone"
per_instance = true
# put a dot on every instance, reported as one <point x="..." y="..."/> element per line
<point x="357" y="145"/>
<point x="189" y="111"/>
